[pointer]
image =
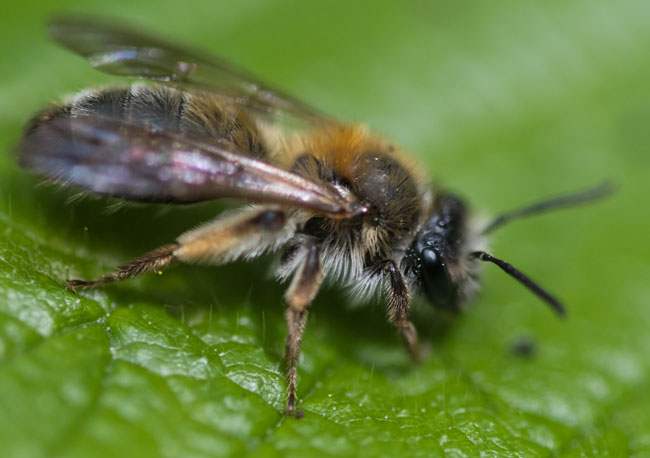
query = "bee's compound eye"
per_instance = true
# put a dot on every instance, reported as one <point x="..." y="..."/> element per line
<point x="436" y="280"/>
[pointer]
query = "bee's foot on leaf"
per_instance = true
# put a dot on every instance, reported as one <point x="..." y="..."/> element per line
<point x="290" y="410"/>
<point x="72" y="285"/>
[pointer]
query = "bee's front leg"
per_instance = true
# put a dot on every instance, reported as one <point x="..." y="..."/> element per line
<point x="303" y="288"/>
<point x="399" y="306"/>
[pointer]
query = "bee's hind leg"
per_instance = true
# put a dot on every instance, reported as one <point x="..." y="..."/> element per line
<point x="399" y="306"/>
<point x="246" y="233"/>
<point x="155" y="260"/>
<point x="303" y="288"/>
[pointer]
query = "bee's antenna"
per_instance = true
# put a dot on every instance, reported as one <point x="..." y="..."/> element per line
<point x="511" y="270"/>
<point x="589" y="195"/>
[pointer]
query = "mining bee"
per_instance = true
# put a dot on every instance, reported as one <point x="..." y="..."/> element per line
<point x="339" y="203"/>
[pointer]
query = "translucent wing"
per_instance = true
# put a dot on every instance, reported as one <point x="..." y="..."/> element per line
<point x="121" y="51"/>
<point x="111" y="157"/>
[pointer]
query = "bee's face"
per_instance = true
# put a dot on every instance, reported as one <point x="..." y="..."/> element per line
<point x="434" y="259"/>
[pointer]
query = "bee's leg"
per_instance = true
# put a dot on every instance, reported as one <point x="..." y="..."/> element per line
<point x="247" y="233"/>
<point x="399" y="306"/>
<point x="302" y="290"/>
<point x="155" y="260"/>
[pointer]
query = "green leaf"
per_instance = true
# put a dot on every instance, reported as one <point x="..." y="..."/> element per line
<point x="503" y="102"/>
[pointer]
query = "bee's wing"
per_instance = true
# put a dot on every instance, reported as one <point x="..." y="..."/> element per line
<point x="111" y="157"/>
<point x="118" y="50"/>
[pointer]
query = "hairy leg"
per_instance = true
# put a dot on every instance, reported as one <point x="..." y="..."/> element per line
<point x="303" y="288"/>
<point x="155" y="260"/>
<point x="399" y="306"/>
<point x="247" y="233"/>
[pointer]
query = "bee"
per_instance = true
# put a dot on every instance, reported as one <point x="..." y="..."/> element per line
<point x="337" y="201"/>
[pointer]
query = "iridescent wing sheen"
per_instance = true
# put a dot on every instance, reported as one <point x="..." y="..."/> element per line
<point x="114" y="158"/>
<point x="118" y="50"/>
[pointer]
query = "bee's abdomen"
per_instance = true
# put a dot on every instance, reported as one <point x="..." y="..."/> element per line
<point x="166" y="109"/>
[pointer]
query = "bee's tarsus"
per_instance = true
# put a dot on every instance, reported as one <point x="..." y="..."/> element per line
<point x="290" y="410"/>
<point x="72" y="285"/>
<point x="291" y="405"/>
<point x="154" y="260"/>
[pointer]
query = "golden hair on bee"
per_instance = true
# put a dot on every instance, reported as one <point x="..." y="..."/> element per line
<point x="340" y="146"/>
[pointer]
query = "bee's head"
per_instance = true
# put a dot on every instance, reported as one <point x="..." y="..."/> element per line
<point x="442" y="260"/>
<point x="438" y="260"/>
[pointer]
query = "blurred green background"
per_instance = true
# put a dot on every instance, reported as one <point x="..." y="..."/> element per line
<point x="504" y="102"/>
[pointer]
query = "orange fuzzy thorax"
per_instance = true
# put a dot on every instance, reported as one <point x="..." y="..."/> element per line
<point x="341" y="145"/>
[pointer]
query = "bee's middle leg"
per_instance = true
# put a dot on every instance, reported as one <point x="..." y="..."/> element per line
<point x="303" y="288"/>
